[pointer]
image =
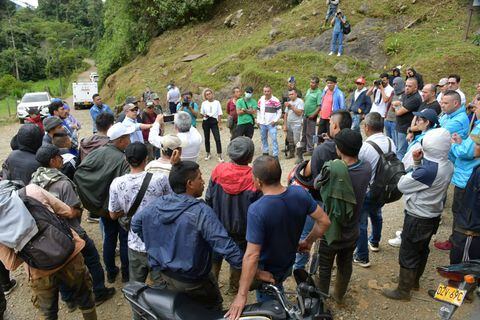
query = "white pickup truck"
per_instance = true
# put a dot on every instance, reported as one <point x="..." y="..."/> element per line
<point x="83" y="94"/>
<point x="37" y="102"/>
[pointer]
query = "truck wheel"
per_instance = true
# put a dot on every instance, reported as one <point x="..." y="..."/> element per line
<point x="76" y="107"/>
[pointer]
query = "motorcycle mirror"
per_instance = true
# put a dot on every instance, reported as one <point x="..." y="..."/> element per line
<point x="300" y="276"/>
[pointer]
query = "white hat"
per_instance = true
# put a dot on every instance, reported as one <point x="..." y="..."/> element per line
<point x="118" y="130"/>
<point x="172" y="142"/>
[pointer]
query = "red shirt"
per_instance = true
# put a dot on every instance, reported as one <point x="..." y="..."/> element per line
<point x="232" y="110"/>
<point x="148" y="119"/>
<point x="327" y="105"/>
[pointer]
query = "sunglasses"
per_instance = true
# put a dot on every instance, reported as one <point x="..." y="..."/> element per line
<point x="133" y="109"/>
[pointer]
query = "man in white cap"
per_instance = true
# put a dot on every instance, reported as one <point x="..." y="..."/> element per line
<point x="131" y="114"/>
<point x="167" y="145"/>
<point x="93" y="178"/>
<point x="442" y="87"/>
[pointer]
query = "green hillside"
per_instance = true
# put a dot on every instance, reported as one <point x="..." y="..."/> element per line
<point x="432" y="43"/>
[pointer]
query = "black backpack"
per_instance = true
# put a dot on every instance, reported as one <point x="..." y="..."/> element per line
<point x="346" y="27"/>
<point x="53" y="244"/>
<point x="388" y="172"/>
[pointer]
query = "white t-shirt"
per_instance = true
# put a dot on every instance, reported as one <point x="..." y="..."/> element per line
<point x="291" y="116"/>
<point x="173" y="95"/>
<point x="192" y="141"/>
<point x="378" y="104"/>
<point x="462" y="96"/>
<point x="123" y="192"/>
<point x="211" y="109"/>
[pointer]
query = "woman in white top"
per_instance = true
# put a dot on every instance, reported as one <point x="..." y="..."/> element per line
<point x="211" y="110"/>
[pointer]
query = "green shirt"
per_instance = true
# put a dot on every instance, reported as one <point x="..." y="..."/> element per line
<point x="244" y="105"/>
<point x="313" y="98"/>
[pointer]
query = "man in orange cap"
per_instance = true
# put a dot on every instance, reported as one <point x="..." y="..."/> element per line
<point x="360" y="103"/>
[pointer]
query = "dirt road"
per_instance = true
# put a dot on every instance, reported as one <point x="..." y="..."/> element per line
<point x="363" y="301"/>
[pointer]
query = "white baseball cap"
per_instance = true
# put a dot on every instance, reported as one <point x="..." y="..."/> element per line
<point x="118" y="130"/>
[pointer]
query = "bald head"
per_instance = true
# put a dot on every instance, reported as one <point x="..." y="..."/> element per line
<point x="267" y="169"/>
<point x="429" y="93"/>
<point x="411" y="86"/>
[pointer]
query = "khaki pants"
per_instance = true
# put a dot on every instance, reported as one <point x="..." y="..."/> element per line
<point x="76" y="277"/>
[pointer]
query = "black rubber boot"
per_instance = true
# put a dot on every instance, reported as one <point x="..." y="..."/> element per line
<point x="291" y="152"/>
<point x="420" y="270"/>
<point x="299" y="152"/>
<point x="405" y="284"/>
<point x="216" y="266"/>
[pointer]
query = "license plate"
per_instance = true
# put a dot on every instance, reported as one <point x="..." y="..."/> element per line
<point x="450" y="295"/>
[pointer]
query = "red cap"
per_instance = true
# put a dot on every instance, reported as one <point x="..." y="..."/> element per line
<point x="360" y="80"/>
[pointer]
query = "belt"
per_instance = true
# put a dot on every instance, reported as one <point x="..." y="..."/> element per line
<point x="468" y="233"/>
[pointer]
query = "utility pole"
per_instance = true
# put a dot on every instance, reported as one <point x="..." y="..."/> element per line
<point x="59" y="72"/>
<point x="14" y="48"/>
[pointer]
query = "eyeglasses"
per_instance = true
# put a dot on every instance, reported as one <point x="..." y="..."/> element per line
<point x="133" y="109"/>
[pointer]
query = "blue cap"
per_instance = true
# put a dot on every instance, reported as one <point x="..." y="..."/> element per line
<point x="291" y="79"/>
<point x="429" y="114"/>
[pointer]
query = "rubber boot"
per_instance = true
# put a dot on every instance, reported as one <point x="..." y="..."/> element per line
<point x="216" y="266"/>
<point x="291" y="152"/>
<point x="234" y="280"/>
<point x="420" y="270"/>
<point x="299" y="152"/>
<point x="405" y="284"/>
<point x="340" y="288"/>
<point x="89" y="315"/>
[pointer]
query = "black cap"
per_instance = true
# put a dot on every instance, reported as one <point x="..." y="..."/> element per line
<point x="135" y="153"/>
<point x="45" y="153"/>
<point x="349" y="142"/>
<point x="429" y="114"/>
<point x="249" y="89"/>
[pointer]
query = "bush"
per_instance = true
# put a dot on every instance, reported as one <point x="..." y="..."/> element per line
<point x="10" y="86"/>
<point x="130" y="25"/>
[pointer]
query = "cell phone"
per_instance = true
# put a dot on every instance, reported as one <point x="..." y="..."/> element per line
<point x="185" y="104"/>
<point x="168" y="118"/>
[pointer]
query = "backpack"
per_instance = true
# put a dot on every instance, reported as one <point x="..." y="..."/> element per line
<point x="346" y="27"/>
<point x="388" y="172"/>
<point x="53" y="244"/>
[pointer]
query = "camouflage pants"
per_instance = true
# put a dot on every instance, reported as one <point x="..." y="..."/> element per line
<point x="75" y="276"/>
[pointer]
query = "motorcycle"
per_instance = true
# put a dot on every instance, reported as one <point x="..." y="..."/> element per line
<point x="151" y="303"/>
<point x="467" y="274"/>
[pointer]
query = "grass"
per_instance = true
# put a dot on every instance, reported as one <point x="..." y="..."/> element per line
<point x="434" y="47"/>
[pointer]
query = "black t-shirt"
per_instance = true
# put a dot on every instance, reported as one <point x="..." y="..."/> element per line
<point x="410" y="102"/>
<point x="434" y="105"/>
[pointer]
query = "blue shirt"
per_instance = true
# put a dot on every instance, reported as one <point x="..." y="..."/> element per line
<point x="276" y="222"/>
<point x="95" y="111"/>
<point x="337" y="27"/>
<point x="463" y="159"/>
<point x="135" y="136"/>
<point x="187" y="110"/>
<point x="456" y="122"/>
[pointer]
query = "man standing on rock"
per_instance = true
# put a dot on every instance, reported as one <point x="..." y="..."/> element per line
<point x="332" y="6"/>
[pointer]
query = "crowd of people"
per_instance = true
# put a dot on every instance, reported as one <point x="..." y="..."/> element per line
<point x="144" y="187"/>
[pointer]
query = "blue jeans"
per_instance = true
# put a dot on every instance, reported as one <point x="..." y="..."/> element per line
<point x="269" y="130"/>
<point x="92" y="261"/>
<point x="112" y="233"/>
<point x="390" y="130"/>
<point x="374" y="211"/>
<point x="301" y="259"/>
<point x="337" y="40"/>
<point x="356" y="119"/>
<point x="402" y="145"/>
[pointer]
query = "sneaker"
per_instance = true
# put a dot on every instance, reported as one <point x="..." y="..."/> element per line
<point x="446" y="245"/>
<point x="112" y="276"/>
<point x="106" y="295"/>
<point x="395" y="242"/>
<point x="7" y="289"/>
<point x="339" y="54"/>
<point x="361" y="263"/>
<point x="373" y="247"/>
<point x="220" y="159"/>
<point x="208" y="157"/>
<point x="398" y="233"/>
<point x="331" y="53"/>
